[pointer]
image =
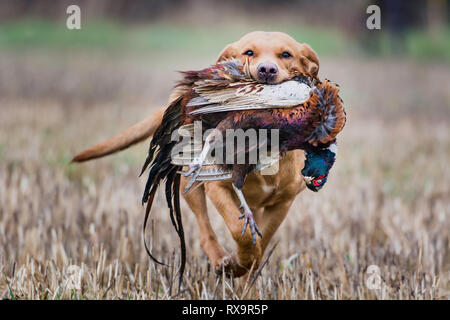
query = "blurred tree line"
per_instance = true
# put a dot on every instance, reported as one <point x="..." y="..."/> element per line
<point x="397" y="14"/>
<point x="417" y="26"/>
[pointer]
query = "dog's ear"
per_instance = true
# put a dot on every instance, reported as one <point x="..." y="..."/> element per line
<point x="309" y="59"/>
<point x="229" y="52"/>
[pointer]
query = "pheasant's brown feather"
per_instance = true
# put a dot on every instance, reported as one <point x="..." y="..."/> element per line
<point x="331" y="117"/>
<point x="225" y="96"/>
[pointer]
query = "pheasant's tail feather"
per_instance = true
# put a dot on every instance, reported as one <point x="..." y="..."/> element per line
<point x="173" y="201"/>
<point x="147" y="215"/>
<point x="162" y="143"/>
<point x="161" y="168"/>
<point x="330" y="113"/>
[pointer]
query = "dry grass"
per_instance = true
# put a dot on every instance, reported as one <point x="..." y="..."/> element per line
<point x="386" y="202"/>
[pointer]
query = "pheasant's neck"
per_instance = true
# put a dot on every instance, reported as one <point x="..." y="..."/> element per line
<point x="311" y="111"/>
<point x="298" y="122"/>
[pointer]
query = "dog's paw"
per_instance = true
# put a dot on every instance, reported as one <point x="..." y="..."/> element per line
<point x="230" y="266"/>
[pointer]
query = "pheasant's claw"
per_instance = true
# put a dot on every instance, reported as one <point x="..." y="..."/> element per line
<point x="193" y="172"/>
<point x="193" y="167"/>
<point x="245" y="224"/>
<point x="249" y="220"/>
<point x="191" y="182"/>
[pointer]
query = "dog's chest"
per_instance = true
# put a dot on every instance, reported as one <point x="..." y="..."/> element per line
<point x="263" y="190"/>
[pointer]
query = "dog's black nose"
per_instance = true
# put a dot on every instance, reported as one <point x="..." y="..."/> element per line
<point x="267" y="71"/>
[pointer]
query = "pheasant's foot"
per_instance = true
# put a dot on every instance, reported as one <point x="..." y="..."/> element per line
<point x="194" y="170"/>
<point x="247" y="215"/>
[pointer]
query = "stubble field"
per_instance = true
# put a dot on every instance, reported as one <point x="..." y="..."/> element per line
<point x="386" y="203"/>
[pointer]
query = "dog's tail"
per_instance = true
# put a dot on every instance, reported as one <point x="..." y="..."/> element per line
<point x="136" y="133"/>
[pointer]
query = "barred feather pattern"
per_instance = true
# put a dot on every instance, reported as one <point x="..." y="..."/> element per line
<point x="331" y="113"/>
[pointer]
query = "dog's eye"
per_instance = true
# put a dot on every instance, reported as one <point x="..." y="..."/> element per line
<point x="249" y="53"/>
<point x="286" y="54"/>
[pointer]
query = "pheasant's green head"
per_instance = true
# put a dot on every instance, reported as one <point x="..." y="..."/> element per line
<point x="317" y="166"/>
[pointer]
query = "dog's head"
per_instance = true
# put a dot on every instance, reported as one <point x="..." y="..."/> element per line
<point x="273" y="56"/>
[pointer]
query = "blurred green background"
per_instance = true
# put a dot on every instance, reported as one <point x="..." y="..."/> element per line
<point x="418" y="28"/>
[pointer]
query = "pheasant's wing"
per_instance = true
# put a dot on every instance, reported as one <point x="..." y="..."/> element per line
<point x="220" y="74"/>
<point x="219" y="96"/>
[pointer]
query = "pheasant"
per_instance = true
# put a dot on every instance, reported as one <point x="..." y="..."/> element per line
<point x="306" y="115"/>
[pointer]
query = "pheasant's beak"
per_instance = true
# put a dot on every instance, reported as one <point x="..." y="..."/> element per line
<point x="308" y="180"/>
<point x="310" y="185"/>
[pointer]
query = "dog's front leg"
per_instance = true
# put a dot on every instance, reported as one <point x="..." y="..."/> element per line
<point x="272" y="218"/>
<point x="226" y="202"/>
<point x="196" y="199"/>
